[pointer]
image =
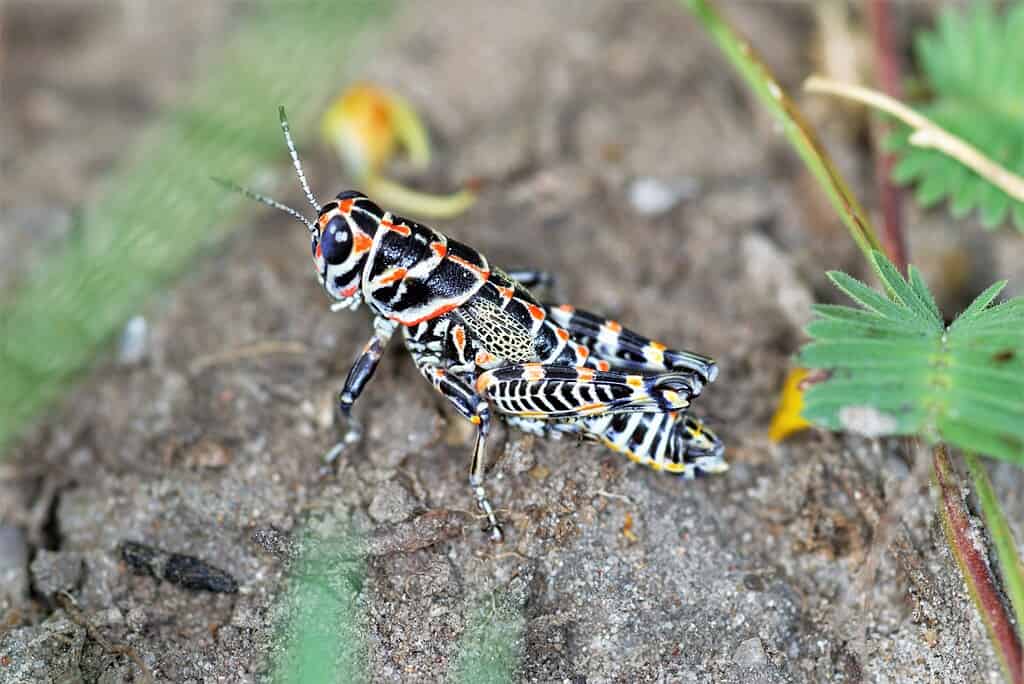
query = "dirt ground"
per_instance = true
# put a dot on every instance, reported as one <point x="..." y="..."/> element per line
<point x="622" y="574"/>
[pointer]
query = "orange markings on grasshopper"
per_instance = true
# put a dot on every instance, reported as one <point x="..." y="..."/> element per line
<point x="395" y="275"/>
<point x="361" y="242"/>
<point x="563" y="334"/>
<point x="603" y="365"/>
<point x="535" y="311"/>
<point x="483" y="382"/>
<point x="483" y="273"/>
<point x="533" y="372"/>
<point x="439" y="311"/>
<point x="399" y="228"/>
<point x="345" y="206"/>
<point x="585" y="375"/>
<point x="614" y="326"/>
<point x="439" y="249"/>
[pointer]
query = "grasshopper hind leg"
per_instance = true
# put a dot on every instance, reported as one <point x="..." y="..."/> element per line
<point x="474" y="408"/>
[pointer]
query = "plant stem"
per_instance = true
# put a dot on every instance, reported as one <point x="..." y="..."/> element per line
<point x="980" y="582"/>
<point x="801" y="136"/>
<point x="926" y="133"/>
<point x="887" y="74"/>
<point x="1002" y="536"/>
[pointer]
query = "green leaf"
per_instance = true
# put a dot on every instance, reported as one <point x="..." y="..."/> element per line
<point x="973" y="63"/>
<point x="894" y="368"/>
<point x="854" y="316"/>
<point x="919" y="303"/>
<point x="917" y="282"/>
<point x="857" y="351"/>
<point x="869" y="298"/>
<point x="833" y="330"/>
<point x="982" y="301"/>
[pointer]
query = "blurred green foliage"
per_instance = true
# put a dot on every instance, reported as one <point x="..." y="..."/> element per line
<point x="973" y="65"/>
<point x="158" y="212"/>
<point x="492" y="645"/>
<point x="320" y="632"/>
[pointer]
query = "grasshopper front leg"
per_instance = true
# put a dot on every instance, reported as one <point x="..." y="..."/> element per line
<point x="362" y="370"/>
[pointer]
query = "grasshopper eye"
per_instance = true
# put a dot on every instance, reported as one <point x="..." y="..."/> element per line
<point x="336" y="241"/>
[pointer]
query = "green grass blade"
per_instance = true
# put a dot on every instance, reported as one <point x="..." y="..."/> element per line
<point x="159" y="212"/>
<point x="492" y="645"/>
<point x="320" y="635"/>
<point x="800" y="135"/>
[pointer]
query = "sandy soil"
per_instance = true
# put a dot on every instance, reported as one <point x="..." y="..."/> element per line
<point x="622" y="574"/>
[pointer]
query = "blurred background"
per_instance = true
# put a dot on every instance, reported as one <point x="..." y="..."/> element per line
<point x="168" y="362"/>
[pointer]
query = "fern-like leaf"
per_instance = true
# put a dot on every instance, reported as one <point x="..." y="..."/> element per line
<point x="897" y="369"/>
<point x="974" y="65"/>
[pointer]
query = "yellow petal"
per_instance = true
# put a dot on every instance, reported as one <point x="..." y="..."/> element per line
<point x="787" y="418"/>
<point x="367" y="124"/>
<point x="627" y="529"/>
<point x="415" y="203"/>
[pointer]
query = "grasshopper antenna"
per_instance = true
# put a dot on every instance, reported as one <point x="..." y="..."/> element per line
<point x="295" y="159"/>
<point x="266" y="200"/>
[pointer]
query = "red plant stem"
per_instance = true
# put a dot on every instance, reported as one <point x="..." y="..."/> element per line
<point x="975" y="569"/>
<point x="887" y="73"/>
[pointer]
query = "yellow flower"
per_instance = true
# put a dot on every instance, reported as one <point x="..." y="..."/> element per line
<point x="367" y="125"/>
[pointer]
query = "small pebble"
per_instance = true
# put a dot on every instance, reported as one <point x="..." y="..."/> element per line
<point x="13" y="566"/>
<point x="753" y="582"/>
<point x="134" y="341"/>
<point x="207" y="453"/>
<point x="750" y="653"/>
<point x="391" y="503"/>
<point x="56" y="571"/>
<point x="540" y="472"/>
<point x="653" y="196"/>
